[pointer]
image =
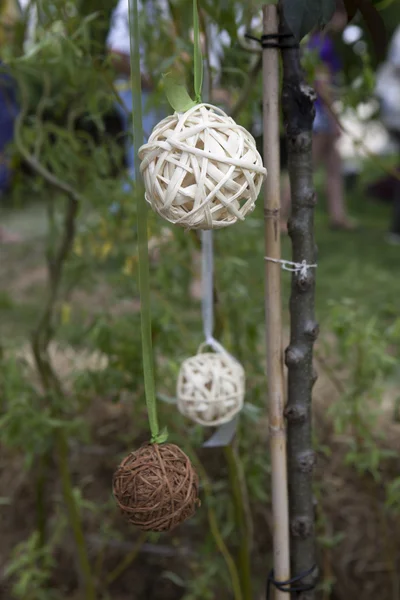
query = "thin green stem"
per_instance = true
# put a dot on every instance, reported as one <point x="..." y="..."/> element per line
<point x="127" y="561"/>
<point x="216" y="533"/>
<point x="144" y="286"/>
<point x="197" y="57"/>
<point x="238" y="493"/>
<point x="40" y="490"/>
<point x="383" y="4"/>
<point x="74" y="516"/>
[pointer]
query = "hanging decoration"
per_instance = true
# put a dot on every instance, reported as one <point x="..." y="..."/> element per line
<point x="211" y="385"/>
<point x="155" y="487"/>
<point x="201" y="170"/>
<point x="210" y="388"/>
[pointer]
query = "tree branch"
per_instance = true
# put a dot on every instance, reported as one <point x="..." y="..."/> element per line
<point x="298" y="111"/>
<point x="40" y="341"/>
<point x="44" y="330"/>
<point x="32" y="160"/>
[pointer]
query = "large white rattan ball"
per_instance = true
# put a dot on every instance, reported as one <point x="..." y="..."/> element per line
<point x="201" y="170"/>
<point x="210" y="388"/>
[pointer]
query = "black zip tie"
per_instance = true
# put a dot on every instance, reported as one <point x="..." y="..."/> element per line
<point x="286" y="586"/>
<point x="265" y="43"/>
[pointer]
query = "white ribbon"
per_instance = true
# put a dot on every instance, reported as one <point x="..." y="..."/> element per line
<point x="208" y="291"/>
<point x="207" y="270"/>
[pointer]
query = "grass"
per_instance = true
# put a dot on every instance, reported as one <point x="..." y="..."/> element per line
<point x="359" y="265"/>
<point x="356" y="265"/>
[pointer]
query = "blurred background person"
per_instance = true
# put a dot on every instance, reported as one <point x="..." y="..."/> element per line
<point x="118" y="44"/>
<point x="8" y="113"/>
<point x="12" y="13"/>
<point x="388" y="92"/>
<point x="9" y="15"/>
<point x="326" y="130"/>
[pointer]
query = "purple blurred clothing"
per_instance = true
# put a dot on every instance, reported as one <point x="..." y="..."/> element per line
<point x="326" y="51"/>
<point x="8" y="113"/>
<point x="331" y="60"/>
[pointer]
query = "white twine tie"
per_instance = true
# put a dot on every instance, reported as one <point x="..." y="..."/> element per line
<point x="293" y="267"/>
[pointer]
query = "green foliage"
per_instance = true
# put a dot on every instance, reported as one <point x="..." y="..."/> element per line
<point x="393" y="495"/>
<point x="373" y="21"/>
<point x="205" y="578"/>
<point x="32" y="565"/>
<point x="303" y="15"/>
<point x="177" y="95"/>
<point x="28" y="419"/>
<point x="77" y="80"/>
<point x="226" y="13"/>
<point x="361" y="354"/>
<point x="361" y="87"/>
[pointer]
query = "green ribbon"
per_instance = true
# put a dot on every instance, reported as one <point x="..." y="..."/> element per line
<point x="179" y="100"/>
<point x="176" y="92"/>
<point x="197" y="56"/>
<point x="144" y="285"/>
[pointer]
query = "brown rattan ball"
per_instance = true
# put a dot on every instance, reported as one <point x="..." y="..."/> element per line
<point x="156" y="487"/>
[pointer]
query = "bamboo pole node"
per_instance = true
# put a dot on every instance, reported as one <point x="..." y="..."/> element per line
<point x="272" y="213"/>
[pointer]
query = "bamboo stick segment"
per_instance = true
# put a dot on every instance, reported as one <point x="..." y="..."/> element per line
<point x="276" y="394"/>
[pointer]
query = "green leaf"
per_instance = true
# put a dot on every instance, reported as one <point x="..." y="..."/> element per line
<point x="228" y="19"/>
<point x="177" y="95"/>
<point x="175" y="578"/>
<point x="303" y="15"/>
<point x="161" y="437"/>
<point x="212" y="9"/>
<point x="198" y="59"/>
<point x="224" y="14"/>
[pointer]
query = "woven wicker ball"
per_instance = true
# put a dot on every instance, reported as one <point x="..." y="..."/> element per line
<point x="156" y="487"/>
<point x="210" y="388"/>
<point x="201" y="170"/>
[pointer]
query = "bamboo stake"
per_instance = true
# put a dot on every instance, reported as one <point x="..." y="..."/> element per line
<point x="276" y="395"/>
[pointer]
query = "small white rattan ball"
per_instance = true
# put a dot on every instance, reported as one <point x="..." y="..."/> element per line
<point x="201" y="170"/>
<point x="210" y="388"/>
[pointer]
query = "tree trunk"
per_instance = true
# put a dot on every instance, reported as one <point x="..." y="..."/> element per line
<point x="298" y="109"/>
